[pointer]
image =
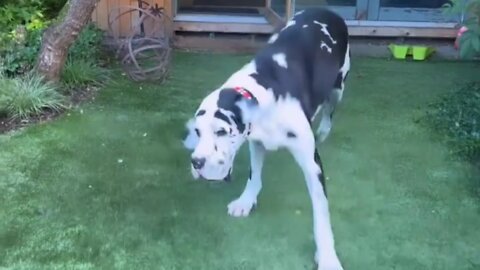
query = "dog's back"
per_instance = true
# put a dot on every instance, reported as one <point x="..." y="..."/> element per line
<point x="306" y="59"/>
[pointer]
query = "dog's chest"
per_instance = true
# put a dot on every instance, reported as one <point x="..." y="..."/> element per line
<point x="269" y="134"/>
<point x="279" y="127"/>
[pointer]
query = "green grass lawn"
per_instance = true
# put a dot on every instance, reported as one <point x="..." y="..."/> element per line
<point x="108" y="186"/>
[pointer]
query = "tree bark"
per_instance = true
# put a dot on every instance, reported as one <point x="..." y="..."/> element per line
<point x="58" y="38"/>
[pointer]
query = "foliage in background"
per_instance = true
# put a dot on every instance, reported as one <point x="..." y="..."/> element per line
<point x="19" y="11"/>
<point x="88" y="44"/>
<point x="27" y="96"/>
<point x="79" y="73"/>
<point x="52" y="7"/>
<point x="27" y="13"/>
<point x="470" y="14"/>
<point x="22" y="24"/>
<point x="20" y="52"/>
<point x="457" y="117"/>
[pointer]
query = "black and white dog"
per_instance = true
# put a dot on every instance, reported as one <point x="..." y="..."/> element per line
<point x="273" y="102"/>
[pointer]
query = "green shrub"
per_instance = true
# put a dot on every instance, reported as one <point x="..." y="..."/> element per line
<point x="457" y="117"/>
<point x="20" y="53"/>
<point x="81" y="72"/>
<point x="19" y="56"/>
<point x="88" y="45"/>
<point x="26" y="96"/>
<point x="470" y="13"/>
<point x="21" y="12"/>
<point x="6" y="88"/>
<point x="21" y="25"/>
<point x="52" y="7"/>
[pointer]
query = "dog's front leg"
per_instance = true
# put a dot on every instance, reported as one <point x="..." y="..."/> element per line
<point x="242" y="206"/>
<point x="305" y="154"/>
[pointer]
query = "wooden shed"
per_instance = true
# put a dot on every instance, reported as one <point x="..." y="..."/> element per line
<point x="394" y="18"/>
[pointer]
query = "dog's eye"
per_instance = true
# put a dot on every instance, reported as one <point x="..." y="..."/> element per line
<point x="221" y="132"/>
<point x="198" y="132"/>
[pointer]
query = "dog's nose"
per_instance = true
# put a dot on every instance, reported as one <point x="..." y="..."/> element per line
<point x="198" y="163"/>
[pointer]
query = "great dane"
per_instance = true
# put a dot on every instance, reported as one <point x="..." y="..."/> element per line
<point x="283" y="98"/>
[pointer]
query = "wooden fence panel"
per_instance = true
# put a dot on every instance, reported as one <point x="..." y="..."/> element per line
<point x="125" y="24"/>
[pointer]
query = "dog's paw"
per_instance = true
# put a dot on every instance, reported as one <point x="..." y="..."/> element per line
<point x="241" y="207"/>
<point x="328" y="262"/>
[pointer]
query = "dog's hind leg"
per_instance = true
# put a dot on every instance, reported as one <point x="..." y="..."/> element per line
<point x="328" y="108"/>
<point x="304" y="153"/>
<point x="325" y="121"/>
<point x="322" y="179"/>
<point x="242" y="206"/>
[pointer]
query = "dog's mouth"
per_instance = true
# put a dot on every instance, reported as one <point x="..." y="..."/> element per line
<point x="228" y="178"/>
<point x="197" y="174"/>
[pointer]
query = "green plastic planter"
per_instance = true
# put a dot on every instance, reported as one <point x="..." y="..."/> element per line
<point x="419" y="53"/>
<point x="399" y="51"/>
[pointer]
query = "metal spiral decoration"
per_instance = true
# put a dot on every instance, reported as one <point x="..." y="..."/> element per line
<point x="145" y="54"/>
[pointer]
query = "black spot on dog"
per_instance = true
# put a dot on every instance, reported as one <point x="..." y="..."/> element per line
<point x="291" y="135"/>
<point x="250" y="174"/>
<point x="218" y="114"/>
<point x="198" y="132"/>
<point x="321" y="175"/>
<point x="227" y="100"/>
<point x="338" y="81"/>
<point x="201" y="112"/>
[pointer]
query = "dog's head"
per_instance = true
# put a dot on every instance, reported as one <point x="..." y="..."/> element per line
<point x="216" y="133"/>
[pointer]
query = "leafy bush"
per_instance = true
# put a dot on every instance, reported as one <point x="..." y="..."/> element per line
<point x="6" y="88"/>
<point x="88" y="45"/>
<point x="470" y="13"/>
<point x="20" y="12"/>
<point x="52" y="7"/>
<point x="22" y="23"/>
<point x="20" y="53"/>
<point x="82" y="72"/>
<point x="26" y="96"/>
<point x="457" y="117"/>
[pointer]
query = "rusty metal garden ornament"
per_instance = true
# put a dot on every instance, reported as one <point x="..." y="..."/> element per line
<point x="145" y="53"/>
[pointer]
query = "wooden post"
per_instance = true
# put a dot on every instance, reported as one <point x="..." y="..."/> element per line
<point x="289" y="10"/>
<point x="170" y="9"/>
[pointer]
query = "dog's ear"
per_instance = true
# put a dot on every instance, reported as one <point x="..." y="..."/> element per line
<point x="191" y="138"/>
<point x="248" y="108"/>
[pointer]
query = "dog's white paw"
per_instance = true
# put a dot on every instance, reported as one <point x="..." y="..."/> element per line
<point x="241" y="207"/>
<point x="328" y="262"/>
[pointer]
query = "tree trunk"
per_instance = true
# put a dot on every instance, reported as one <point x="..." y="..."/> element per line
<point x="58" y="38"/>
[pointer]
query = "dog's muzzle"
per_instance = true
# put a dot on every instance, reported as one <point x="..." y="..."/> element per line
<point x="198" y="174"/>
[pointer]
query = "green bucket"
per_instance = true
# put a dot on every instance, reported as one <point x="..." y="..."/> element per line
<point x="421" y="52"/>
<point x="399" y="51"/>
<point x="418" y="53"/>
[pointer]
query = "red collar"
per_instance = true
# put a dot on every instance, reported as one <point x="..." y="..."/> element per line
<point x="244" y="92"/>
